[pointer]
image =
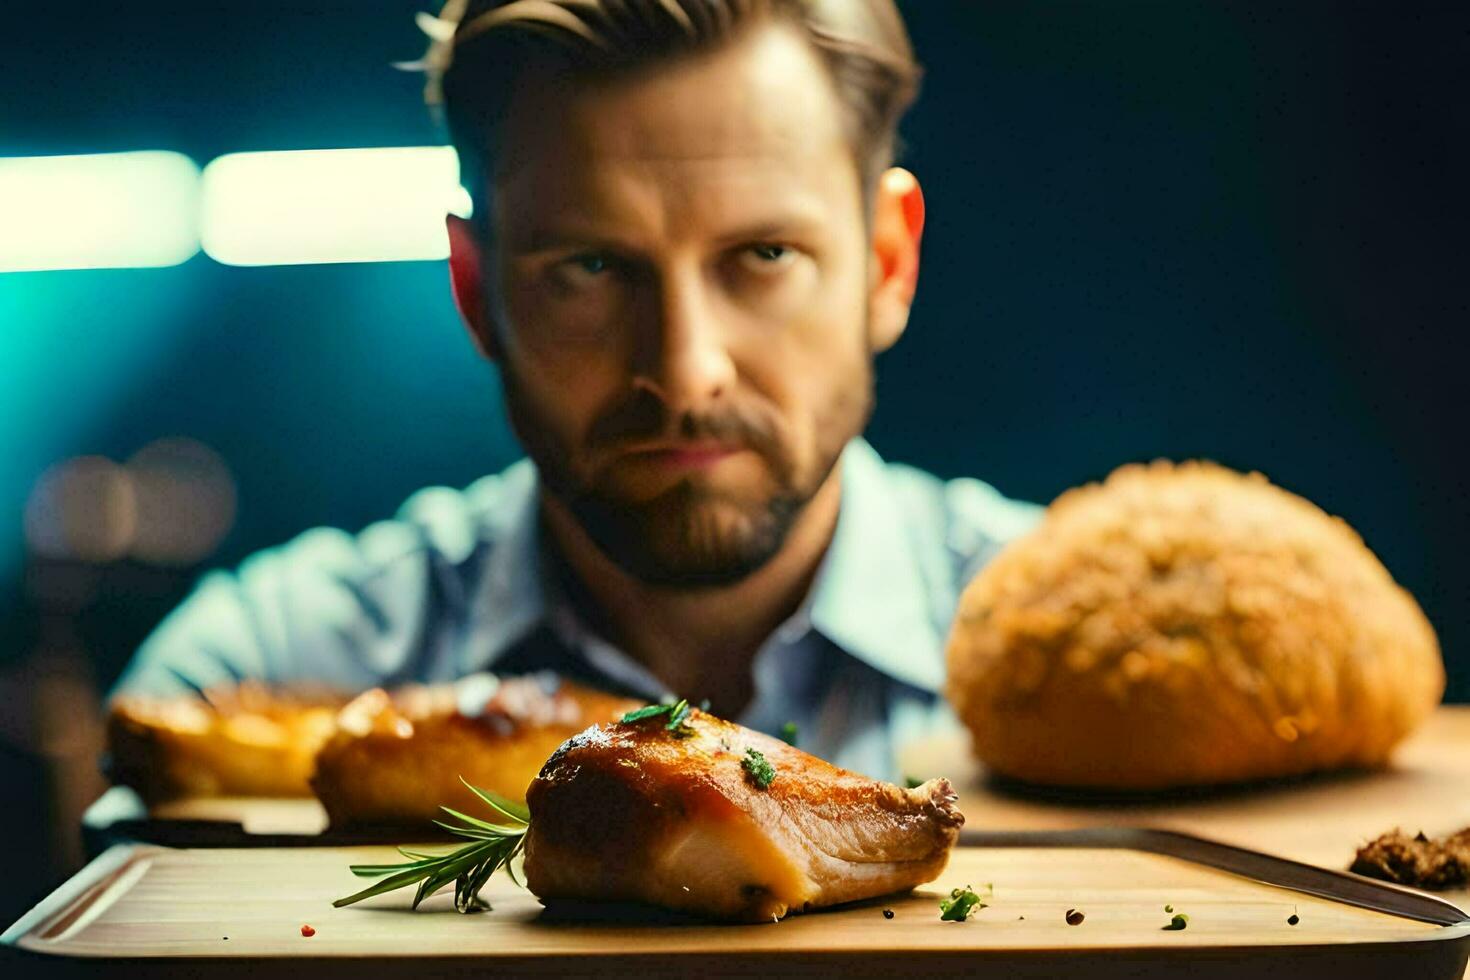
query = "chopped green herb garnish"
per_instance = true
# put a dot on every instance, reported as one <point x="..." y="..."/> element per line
<point x="788" y="733"/>
<point x="1177" y="923"/>
<point x="910" y="782"/>
<point x="677" y="713"/>
<point x="961" y="902"/>
<point x="761" y="772"/>
<point x="1169" y="909"/>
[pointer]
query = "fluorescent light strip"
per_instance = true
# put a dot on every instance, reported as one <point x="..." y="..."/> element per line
<point x="98" y="211"/>
<point x="310" y="206"/>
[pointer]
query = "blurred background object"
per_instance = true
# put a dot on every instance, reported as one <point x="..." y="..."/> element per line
<point x="1155" y="229"/>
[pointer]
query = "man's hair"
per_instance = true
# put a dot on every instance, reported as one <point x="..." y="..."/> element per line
<point x="482" y="47"/>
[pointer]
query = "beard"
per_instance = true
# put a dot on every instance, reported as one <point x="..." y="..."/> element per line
<point x="691" y="535"/>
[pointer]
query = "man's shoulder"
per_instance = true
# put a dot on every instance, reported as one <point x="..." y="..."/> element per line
<point x="452" y="524"/>
<point x="965" y="520"/>
<point x="353" y="609"/>
<point x="965" y="506"/>
<point x="968" y="506"/>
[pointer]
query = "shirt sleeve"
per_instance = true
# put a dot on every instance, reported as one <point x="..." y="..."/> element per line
<point x="350" y="611"/>
<point x="328" y="607"/>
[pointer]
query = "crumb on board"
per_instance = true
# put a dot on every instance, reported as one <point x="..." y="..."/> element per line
<point x="307" y="931"/>
<point x="1420" y="861"/>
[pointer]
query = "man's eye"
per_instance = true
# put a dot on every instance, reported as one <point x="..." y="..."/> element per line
<point x="591" y="264"/>
<point x="582" y="271"/>
<point x="766" y="258"/>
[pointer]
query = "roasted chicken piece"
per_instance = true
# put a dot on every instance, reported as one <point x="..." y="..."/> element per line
<point x="394" y="758"/>
<point x="718" y="820"/>
<point x="250" y="739"/>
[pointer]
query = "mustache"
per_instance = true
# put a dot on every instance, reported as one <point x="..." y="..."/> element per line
<point x="643" y="417"/>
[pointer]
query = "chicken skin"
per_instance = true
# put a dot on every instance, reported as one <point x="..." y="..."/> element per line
<point x="395" y="757"/>
<point x="714" y="819"/>
<point x="252" y="739"/>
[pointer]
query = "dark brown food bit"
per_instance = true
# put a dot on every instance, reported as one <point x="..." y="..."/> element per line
<point x="1074" y="918"/>
<point x="1418" y="861"/>
<point x="1293" y="919"/>
<point x="308" y="931"/>
<point x="888" y="913"/>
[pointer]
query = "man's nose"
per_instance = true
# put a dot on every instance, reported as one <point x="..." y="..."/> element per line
<point x="686" y="353"/>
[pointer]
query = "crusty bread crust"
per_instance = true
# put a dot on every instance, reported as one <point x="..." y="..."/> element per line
<point x="1184" y="625"/>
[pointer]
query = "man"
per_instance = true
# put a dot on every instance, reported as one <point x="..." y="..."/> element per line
<point x="688" y="244"/>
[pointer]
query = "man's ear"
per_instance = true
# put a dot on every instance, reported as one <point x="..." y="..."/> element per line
<point x="898" y="224"/>
<point x="467" y="282"/>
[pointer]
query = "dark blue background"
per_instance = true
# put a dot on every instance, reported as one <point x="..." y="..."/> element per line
<point x="1171" y="229"/>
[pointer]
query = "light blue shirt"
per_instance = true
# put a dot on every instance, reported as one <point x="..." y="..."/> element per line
<point x="457" y="583"/>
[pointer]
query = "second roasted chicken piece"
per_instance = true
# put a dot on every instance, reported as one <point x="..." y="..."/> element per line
<point x="696" y="814"/>
<point x="250" y="739"/>
<point x="395" y="757"/>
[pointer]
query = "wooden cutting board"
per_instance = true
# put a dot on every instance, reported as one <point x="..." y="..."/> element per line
<point x="179" y="910"/>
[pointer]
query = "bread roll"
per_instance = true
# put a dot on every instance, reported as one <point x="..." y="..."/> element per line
<point x="1187" y="625"/>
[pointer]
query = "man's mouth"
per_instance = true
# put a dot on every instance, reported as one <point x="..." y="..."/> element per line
<point x="681" y="455"/>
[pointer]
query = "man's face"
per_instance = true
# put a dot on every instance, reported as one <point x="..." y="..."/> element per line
<point x="682" y="270"/>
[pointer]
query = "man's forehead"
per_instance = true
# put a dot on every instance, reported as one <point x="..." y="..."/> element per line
<point x="639" y="206"/>
<point x="763" y="98"/>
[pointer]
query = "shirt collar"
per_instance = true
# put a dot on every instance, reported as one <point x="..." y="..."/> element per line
<point x="868" y="596"/>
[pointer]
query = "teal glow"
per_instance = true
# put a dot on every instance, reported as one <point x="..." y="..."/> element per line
<point x="73" y="347"/>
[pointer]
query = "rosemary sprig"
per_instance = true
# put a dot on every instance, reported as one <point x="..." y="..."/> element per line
<point x="492" y="846"/>
<point x="677" y="713"/>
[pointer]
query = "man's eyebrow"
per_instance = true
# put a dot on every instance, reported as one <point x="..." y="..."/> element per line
<point x="774" y="229"/>
<point x="560" y="238"/>
<point x="557" y="237"/>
